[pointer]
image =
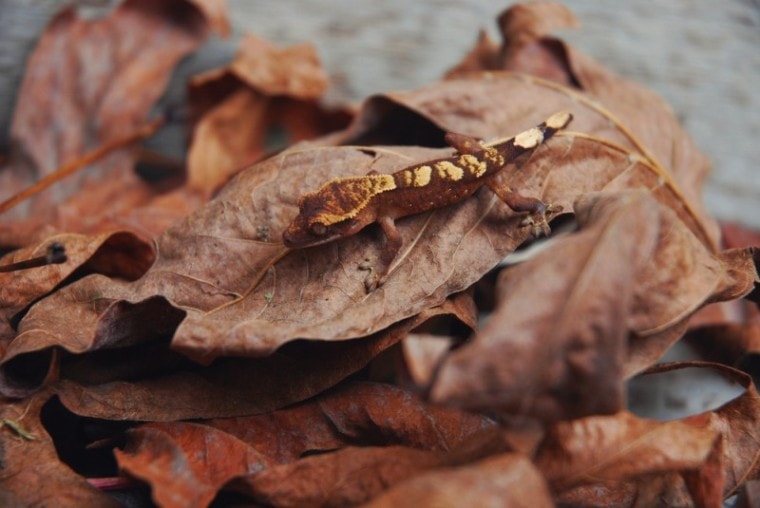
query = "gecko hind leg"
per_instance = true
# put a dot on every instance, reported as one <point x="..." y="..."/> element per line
<point x="536" y="209"/>
<point x="464" y="144"/>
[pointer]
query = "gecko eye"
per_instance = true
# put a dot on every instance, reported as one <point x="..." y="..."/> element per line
<point x="318" y="229"/>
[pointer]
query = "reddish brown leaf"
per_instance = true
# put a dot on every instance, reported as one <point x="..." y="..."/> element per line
<point x="208" y="455"/>
<point x="353" y="475"/>
<point x="185" y="463"/>
<point x="366" y="413"/>
<point x="92" y="81"/>
<point x="117" y="254"/>
<point x="616" y="460"/>
<point x="736" y="421"/>
<point x="527" y="48"/>
<point x="260" y="202"/>
<point x="230" y="386"/>
<point x="254" y="95"/>
<point x="505" y="480"/>
<point x="615" y="448"/>
<point x="30" y="472"/>
<point x="346" y="477"/>
<point x="484" y="55"/>
<point x="556" y="343"/>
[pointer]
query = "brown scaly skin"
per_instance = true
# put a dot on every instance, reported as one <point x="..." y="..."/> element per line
<point x="345" y="206"/>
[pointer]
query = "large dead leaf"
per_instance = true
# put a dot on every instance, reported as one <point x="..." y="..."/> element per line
<point x="308" y="294"/>
<point x="557" y="345"/>
<point x="528" y="48"/>
<point x="30" y="472"/>
<point x="167" y="389"/>
<point x="622" y="459"/>
<point x="91" y="82"/>
<point x="504" y="480"/>
<point x="186" y="463"/>
<point x="369" y="414"/>
<point x="265" y="92"/>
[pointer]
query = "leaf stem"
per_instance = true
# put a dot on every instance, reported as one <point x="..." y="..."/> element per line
<point x="144" y="131"/>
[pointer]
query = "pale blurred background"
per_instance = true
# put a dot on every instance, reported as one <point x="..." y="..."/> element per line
<point x="702" y="56"/>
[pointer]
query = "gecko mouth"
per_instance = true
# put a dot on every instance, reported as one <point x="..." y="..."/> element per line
<point x="299" y="240"/>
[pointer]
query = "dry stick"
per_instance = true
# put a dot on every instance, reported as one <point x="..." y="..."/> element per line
<point x="55" y="254"/>
<point x="142" y="132"/>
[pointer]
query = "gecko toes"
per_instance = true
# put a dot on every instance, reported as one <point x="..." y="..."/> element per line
<point x="538" y="221"/>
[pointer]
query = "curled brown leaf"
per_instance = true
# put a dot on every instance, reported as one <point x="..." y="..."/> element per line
<point x="90" y="82"/>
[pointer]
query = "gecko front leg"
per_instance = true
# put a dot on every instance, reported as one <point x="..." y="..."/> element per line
<point x="393" y="241"/>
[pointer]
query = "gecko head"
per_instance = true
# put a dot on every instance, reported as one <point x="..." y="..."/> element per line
<point x="324" y="216"/>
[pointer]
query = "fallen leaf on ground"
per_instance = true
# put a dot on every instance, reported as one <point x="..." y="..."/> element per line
<point x="92" y="83"/>
<point x="372" y="414"/>
<point x="564" y="351"/>
<point x="239" y="228"/>
<point x="30" y="472"/>
<point x="175" y="459"/>
<point x="242" y="371"/>
<point x="505" y="480"/>
<point x="227" y="387"/>
<point x="265" y="92"/>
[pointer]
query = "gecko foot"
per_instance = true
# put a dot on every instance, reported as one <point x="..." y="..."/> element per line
<point x="538" y="220"/>
<point x="372" y="280"/>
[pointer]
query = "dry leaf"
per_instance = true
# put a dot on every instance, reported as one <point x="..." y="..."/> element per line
<point x="504" y="480"/>
<point x="612" y="449"/>
<point x="186" y="463"/>
<point x="90" y="82"/>
<point x="557" y="343"/>
<point x="30" y="472"/>
<point x="616" y="460"/>
<point x="736" y="421"/>
<point x="371" y="414"/>
<point x="257" y="94"/>
<point x="344" y="478"/>
<point x="368" y="413"/>
<point x="227" y="387"/>
<point x="238" y="230"/>
<point x="527" y="48"/>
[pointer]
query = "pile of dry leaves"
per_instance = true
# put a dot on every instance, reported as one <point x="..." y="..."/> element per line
<point x="182" y="354"/>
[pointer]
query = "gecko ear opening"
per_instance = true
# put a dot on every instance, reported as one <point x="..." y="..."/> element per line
<point x="318" y="229"/>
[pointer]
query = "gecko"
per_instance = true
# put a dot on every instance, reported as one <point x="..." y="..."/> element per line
<point x="344" y="206"/>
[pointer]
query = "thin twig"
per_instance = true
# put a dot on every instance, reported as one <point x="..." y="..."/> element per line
<point x="142" y="132"/>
